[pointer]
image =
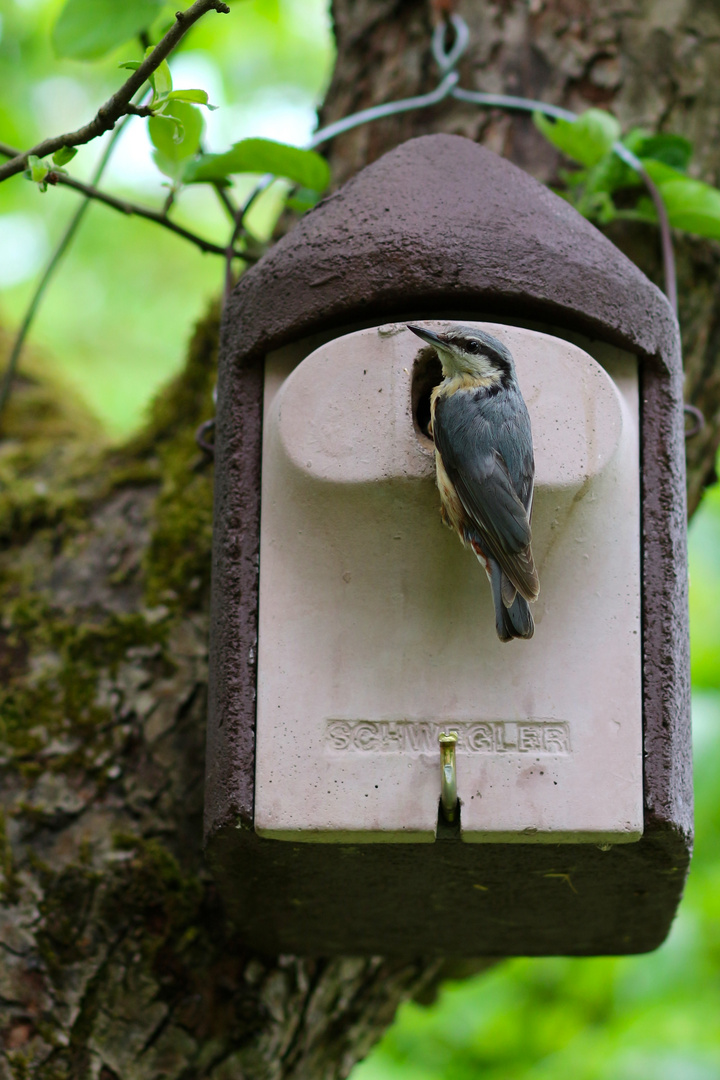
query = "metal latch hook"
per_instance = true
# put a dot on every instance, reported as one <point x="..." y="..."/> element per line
<point x="448" y="782"/>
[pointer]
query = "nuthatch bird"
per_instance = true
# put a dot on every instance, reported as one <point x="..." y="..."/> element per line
<point x="485" y="466"/>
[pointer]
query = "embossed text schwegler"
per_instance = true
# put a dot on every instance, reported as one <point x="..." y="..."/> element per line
<point x="474" y="736"/>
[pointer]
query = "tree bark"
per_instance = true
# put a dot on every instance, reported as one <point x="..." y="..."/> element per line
<point x="652" y="63"/>
<point x="115" y="959"/>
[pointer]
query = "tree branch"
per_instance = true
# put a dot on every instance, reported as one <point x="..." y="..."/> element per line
<point x="134" y="210"/>
<point x="139" y="110"/>
<point x="118" y="105"/>
<point x="226" y="201"/>
<point x="239" y="219"/>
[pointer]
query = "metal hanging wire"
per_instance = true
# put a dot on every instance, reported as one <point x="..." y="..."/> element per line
<point x="447" y="60"/>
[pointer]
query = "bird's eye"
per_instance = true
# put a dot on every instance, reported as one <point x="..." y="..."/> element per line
<point x="473" y="346"/>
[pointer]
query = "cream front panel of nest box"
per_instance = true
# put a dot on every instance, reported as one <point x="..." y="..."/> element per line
<point x="376" y="627"/>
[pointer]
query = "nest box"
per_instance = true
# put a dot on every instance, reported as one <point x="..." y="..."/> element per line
<point x="350" y="629"/>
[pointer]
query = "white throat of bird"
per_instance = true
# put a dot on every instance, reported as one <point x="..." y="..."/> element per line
<point x="459" y="363"/>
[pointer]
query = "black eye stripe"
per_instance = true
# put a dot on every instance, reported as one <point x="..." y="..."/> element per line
<point x="498" y="359"/>
<point x="469" y="345"/>
<point x="472" y="345"/>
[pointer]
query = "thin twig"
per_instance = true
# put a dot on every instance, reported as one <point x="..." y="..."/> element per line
<point x="239" y="227"/>
<point x="72" y="227"/>
<point x="136" y="210"/>
<point x="131" y="209"/>
<point x="229" y="281"/>
<point x="117" y="106"/>
<point x="139" y="110"/>
<point x="666" y="244"/>
<point x="226" y="201"/>
<point x="221" y="192"/>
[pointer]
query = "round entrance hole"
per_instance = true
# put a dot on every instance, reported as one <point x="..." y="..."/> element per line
<point x="426" y="375"/>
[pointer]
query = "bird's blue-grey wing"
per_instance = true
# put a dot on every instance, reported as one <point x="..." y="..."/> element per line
<point x="514" y="443"/>
<point x="468" y="444"/>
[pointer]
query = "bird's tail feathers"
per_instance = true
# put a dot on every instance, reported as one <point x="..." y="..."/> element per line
<point x="513" y="619"/>
<point x="508" y="591"/>
<point x="520" y="618"/>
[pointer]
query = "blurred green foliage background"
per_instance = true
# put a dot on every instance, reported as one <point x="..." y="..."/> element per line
<point x="115" y="324"/>
<point x="120" y="310"/>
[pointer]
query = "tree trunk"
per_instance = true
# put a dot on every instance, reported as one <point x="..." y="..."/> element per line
<point x="115" y="960"/>
<point x="652" y="63"/>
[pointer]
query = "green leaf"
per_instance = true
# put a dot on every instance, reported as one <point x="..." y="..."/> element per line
<point x="692" y="206"/>
<point x="600" y="207"/>
<point x="198" y="96"/>
<point x="168" y="167"/>
<point x="662" y="174"/>
<point x="672" y="150"/>
<point x="88" y="29"/>
<point x="38" y="169"/>
<point x="160" y="79"/>
<point x="65" y="154"/>
<point x="644" y="210"/>
<point x="573" y="178"/>
<point x="131" y="65"/>
<point x="176" y="136"/>
<point x="166" y="133"/>
<point x="302" y="200"/>
<point x="178" y="115"/>
<point x="587" y="139"/>
<point x="611" y="174"/>
<point x="305" y="167"/>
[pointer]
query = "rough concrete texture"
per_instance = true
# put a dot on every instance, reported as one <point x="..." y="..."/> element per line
<point x="442" y="221"/>
<point x="441" y="227"/>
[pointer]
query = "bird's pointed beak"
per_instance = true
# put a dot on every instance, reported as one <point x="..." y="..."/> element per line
<point x="426" y="335"/>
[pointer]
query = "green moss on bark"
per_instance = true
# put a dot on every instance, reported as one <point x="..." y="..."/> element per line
<point x="48" y="440"/>
<point x="155" y="892"/>
<point x="70" y="651"/>
<point x="8" y="881"/>
<point x="63" y="699"/>
<point x="177" y="562"/>
<point x="103" y="588"/>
